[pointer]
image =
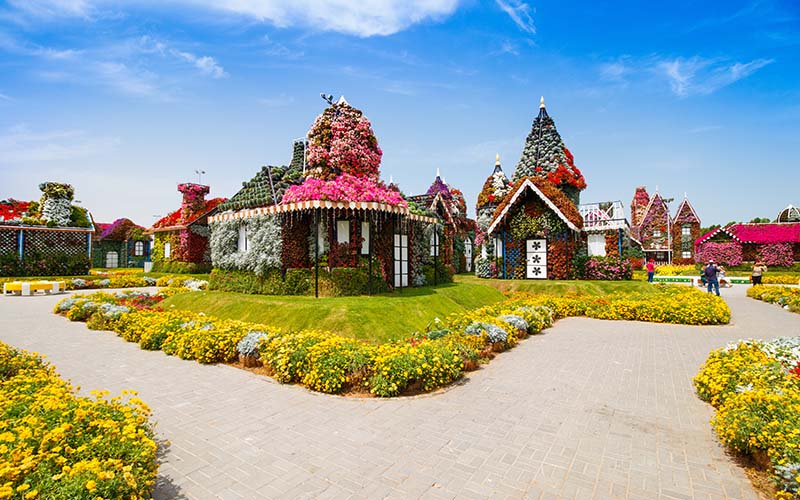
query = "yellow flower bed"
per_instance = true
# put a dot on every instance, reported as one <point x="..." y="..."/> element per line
<point x="755" y="387"/>
<point x="780" y="279"/>
<point x="326" y="362"/>
<point x="57" y="445"/>
<point x="676" y="270"/>
<point x="784" y="296"/>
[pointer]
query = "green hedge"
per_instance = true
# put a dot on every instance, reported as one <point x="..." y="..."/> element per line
<point x="338" y="282"/>
<point x="175" y="267"/>
<point x="34" y="264"/>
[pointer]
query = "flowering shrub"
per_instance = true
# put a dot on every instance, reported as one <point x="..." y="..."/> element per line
<point x="605" y="268"/>
<point x="784" y="296"/>
<point x="345" y="187"/>
<point x="341" y="140"/>
<point x="777" y="254"/>
<point x="676" y="270"/>
<point x="57" y="445"/>
<point x="729" y="254"/>
<point x="757" y="397"/>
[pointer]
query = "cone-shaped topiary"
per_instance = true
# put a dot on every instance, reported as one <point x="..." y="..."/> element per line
<point x="546" y="156"/>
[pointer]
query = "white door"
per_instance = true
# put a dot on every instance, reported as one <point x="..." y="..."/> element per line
<point x="597" y="245"/>
<point x="400" y="260"/>
<point x="112" y="259"/>
<point x="536" y="259"/>
<point x="468" y="254"/>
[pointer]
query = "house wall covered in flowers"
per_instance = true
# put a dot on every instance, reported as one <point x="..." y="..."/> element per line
<point x="121" y="243"/>
<point x="455" y="244"/>
<point x="534" y="230"/>
<point x="180" y="240"/>
<point x="685" y="231"/>
<point x="333" y="227"/>
<point x="48" y="237"/>
<point x="664" y="237"/>
<point x="777" y="244"/>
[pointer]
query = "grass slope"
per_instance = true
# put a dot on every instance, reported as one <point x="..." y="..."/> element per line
<point x="378" y="318"/>
<point x="561" y="287"/>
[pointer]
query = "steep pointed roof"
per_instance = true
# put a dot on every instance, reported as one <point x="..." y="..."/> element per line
<point x="686" y="213"/>
<point x="494" y="188"/>
<point x="556" y="200"/>
<point x="258" y="191"/>
<point x="545" y="155"/>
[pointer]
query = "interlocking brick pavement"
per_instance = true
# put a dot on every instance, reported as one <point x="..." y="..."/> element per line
<point x="587" y="410"/>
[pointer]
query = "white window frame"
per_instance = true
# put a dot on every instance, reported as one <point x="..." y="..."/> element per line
<point x="365" y="238"/>
<point x="686" y="254"/>
<point x="138" y="248"/>
<point x="435" y="243"/>
<point x="686" y="231"/>
<point x="656" y="233"/>
<point x="343" y="231"/>
<point x="243" y="244"/>
<point x="167" y="250"/>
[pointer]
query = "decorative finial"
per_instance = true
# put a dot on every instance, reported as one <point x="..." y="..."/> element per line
<point x="541" y="103"/>
<point x="656" y="188"/>
<point x="342" y="100"/>
<point x="685" y="195"/>
<point x="437" y="173"/>
<point x="497" y="159"/>
<point x="391" y="179"/>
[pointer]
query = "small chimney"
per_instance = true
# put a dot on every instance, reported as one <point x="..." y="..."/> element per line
<point x="194" y="198"/>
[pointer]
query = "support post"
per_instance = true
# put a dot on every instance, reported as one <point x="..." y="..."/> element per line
<point x="505" y="259"/>
<point x="435" y="254"/>
<point x="316" y="253"/>
<point x="21" y="244"/>
<point x="619" y="242"/>
<point x="369" y="254"/>
<point x="89" y="245"/>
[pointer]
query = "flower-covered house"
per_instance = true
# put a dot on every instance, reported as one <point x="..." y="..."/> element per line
<point x="453" y="244"/>
<point x="336" y="228"/>
<point x="775" y="243"/>
<point x="494" y="191"/>
<point x="49" y="237"/>
<point x="685" y="231"/>
<point x="180" y="239"/>
<point x="663" y="237"/>
<point x="121" y="243"/>
<point x="789" y="214"/>
<point x="607" y="230"/>
<point x="536" y="228"/>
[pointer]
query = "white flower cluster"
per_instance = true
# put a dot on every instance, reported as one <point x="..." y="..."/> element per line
<point x="57" y="210"/>
<point x="500" y="185"/>
<point x="264" y="244"/>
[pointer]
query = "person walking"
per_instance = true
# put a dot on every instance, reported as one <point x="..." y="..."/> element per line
<point x="651" y="270"/>
<point x="710" y="272"/>
<point x="758" y="271"/>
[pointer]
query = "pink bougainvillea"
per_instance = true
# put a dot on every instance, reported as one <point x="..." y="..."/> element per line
<point x="777" y="254"/>
<point x="346" y="187"/>
<point x="341" y="141"/>
<point x="729" y="254"/>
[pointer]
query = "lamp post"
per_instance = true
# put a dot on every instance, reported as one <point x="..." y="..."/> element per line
<point x="200" y="175"/>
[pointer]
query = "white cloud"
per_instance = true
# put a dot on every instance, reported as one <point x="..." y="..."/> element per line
<point x="519" y="12"/>
<point x="21" y="145"/>
<point x="206" y="64"/>
<point x="508" y="48"/>
<point x="127" y="80"/>
<point x="700" y="76"/>
<point x="615" y="71"/>
<point x="365" y="18"/>
<point x="4" y="97"/>
<point x="53" y="8"/>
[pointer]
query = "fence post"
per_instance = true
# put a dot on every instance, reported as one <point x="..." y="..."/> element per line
<point x="21" y="244"/>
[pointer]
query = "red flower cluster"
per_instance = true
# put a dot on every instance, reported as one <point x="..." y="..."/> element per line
<point x="13" y="209"/>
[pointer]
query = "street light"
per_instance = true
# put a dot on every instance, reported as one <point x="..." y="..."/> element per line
<point x="200" y="175"/>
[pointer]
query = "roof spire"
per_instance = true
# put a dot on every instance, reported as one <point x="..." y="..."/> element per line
<point x="541" y="103"/>
<point x="391" y="179"/>
<point x="497" y="159"/>
<point x="439" y="175"/>
<point x="342" y="100"/>
<point x="685" y="195"/>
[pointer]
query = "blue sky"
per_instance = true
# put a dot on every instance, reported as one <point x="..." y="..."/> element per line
<point x="125" y="99"/>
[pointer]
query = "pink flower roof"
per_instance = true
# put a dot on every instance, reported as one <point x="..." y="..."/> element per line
<point x="759" y="233"/>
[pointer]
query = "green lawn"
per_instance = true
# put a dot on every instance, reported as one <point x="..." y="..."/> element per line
<point x="553" y="287"/>
<point x="384" y="317"/>
<point x="379" y="318"/>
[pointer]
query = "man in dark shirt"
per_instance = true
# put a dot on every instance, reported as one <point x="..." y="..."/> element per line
<point x="710" y="272"/>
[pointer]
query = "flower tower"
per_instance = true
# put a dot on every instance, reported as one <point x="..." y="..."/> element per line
<point x="546" y="156"/>
<point x="194" y="199"/>
<point x="341" y="141"/>
<point x="639" y="205"/>
<point x="495" y="189"/>
<point x="56" y="203"/>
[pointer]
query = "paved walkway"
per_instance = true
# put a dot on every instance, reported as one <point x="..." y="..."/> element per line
<point x="587" y="410"/>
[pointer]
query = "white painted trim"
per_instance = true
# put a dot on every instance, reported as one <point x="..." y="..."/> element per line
<point x="312" y="204"/>
<point x="541" y="195"/>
